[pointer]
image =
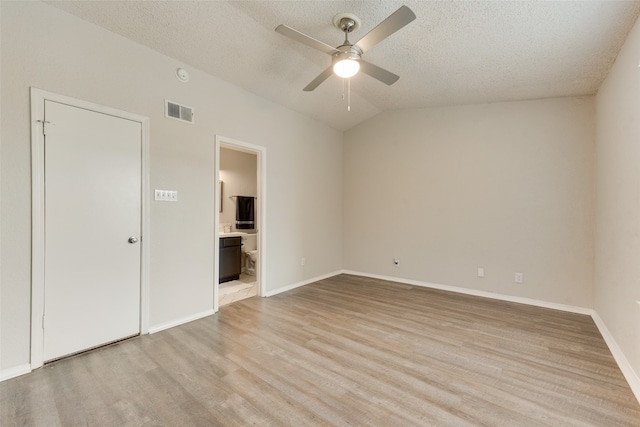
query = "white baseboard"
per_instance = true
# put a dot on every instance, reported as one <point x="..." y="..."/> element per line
<point x="16" y="371"/>
<point x="177" y="322"/>
<point x="485" y="294"/>
<point x="627" y="370"/>
<point x="304" y="282"/>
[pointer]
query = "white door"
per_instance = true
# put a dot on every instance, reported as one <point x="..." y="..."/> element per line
<point x="92" y="211"/>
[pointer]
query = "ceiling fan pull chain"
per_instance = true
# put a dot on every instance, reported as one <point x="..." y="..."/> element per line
<point x="348" y="94"/>
<point x="343" y="91"/>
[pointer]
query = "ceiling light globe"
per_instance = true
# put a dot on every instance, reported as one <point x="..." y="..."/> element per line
<point x="346" y="68"/>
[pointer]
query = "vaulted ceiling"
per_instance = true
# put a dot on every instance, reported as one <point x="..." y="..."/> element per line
<point x="454" y="52"/>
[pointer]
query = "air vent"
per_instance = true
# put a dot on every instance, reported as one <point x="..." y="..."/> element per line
<point x="178" y="112"/>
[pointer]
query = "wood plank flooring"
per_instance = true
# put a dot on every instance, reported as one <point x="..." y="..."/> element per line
<point x="345" y="351"/>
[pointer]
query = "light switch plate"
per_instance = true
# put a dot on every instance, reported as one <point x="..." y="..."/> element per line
<point x="166" y="196"/>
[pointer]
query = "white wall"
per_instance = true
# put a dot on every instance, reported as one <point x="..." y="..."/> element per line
<point x="507" y="187"/>
<point x="617" y="272"/>
<point x="46" y="48"/>
<point x="238" y="173"/>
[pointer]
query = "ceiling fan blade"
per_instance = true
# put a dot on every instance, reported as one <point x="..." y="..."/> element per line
<point x="393" y="23"/>
<point x="321" y="77"/>
<point x="378" y="73"/>
<point x="305" y="39"/>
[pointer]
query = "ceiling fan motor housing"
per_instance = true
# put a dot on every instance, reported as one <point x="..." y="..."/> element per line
<point x="347" y="52"/>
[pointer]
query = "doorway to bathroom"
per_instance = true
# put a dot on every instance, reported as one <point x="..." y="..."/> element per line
<point x="239" y="221"/>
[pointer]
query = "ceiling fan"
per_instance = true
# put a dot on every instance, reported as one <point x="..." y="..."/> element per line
<point x="347" y="58"/>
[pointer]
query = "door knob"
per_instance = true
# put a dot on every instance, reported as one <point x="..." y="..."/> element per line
<point x="133" y="239"/>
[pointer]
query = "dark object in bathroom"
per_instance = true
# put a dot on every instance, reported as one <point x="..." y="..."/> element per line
<point x="245" y="213"/>
<point x="230" y="258"/>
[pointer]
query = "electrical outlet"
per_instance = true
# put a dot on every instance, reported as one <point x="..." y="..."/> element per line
<point x="303" y="261"/>
<point x="396" y="262"/>
<point x="480" y="272"/>
<point x="519" y="278"/>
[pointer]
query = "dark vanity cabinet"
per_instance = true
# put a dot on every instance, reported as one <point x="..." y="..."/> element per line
<point x="230" y="258"/>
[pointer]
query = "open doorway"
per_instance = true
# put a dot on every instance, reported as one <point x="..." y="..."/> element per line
<point x="239" y="221"/>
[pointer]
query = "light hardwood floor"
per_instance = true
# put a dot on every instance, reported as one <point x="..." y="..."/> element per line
<point x="344" y="351"/>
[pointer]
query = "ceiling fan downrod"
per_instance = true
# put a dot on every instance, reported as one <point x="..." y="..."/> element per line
<point x="347" y="25"/>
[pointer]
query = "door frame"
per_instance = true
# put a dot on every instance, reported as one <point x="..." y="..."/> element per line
<point x="261" y="208"/>
<point x="38" y="98"/>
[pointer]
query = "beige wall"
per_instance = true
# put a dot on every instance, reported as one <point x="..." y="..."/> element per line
<point x="507" y="187"/>
<point x="46" y="48"/>
<point x="617" y="272"/>
<point x="238" y="173"/>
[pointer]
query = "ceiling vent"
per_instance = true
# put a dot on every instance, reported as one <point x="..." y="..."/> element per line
<point x="178" y="112"/>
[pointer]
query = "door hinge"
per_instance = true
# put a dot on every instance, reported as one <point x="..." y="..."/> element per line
<point x="42" y="322"/>
<point x="44" y="125"/>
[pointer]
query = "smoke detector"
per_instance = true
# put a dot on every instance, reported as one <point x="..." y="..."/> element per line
<point x="182" y="75"/>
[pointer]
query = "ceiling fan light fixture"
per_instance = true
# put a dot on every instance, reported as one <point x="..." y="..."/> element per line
<point x="346" y="63"/>
<point x="346" y="68"/>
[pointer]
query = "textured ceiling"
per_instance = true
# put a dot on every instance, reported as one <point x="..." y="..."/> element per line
<point x="454" y="52"/>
